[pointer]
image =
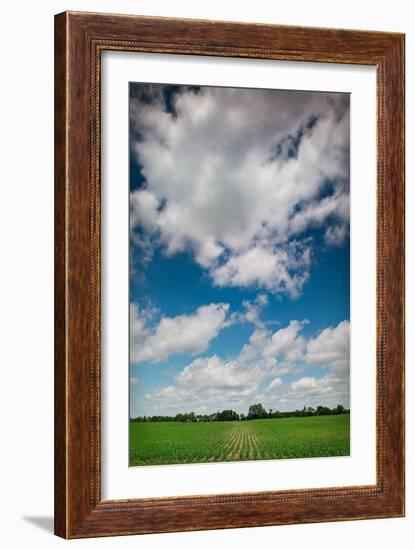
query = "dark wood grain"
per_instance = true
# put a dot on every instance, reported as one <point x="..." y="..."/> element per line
<point x="79" y="40"/>
<point x="60" y="277"/>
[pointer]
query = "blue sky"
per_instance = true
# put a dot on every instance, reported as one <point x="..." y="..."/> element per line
<point x="239" y="249"/>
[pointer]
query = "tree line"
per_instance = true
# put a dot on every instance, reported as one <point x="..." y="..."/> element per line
<point x="255" y="412"/>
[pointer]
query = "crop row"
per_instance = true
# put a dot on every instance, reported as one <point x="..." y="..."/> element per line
<point x="182" y="443"/>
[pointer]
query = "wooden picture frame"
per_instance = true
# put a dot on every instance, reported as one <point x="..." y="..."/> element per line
<point x="79" y="40"/>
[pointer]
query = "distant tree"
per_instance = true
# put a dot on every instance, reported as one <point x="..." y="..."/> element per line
<point x="227" y="415"/>
<point x="257" y="411"/>
<point x="321" y="411"/>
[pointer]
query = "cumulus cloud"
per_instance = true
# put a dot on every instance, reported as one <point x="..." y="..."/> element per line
<point x="214" y="372"/>
<point x="211" y="382"/>
<point x="329" y="390"/>
<point x="331" y="347"/>
<point x="284" y="344"/>
<point x="274" y="385"/>
<point x="279" y="270"/>
<point x="235" y="177"/>
<point x="308" y="384"/>
<point x="181" y="334"/>
<point x="256" y="374"/>
<point x="336" y="234"/>
<point x="287" y="341"/>
<point x="174" y="398"/>
<point x="252" y="310"/>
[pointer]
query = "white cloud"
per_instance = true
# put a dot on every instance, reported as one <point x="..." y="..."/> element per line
<point x="285" y="344"/>
<point x="256" y="374"/>
<point x="287" y="341"/>
<point x="329" y="390"/>
<point x="317" y="211"/>
<point x="214" y="372"/>
<point x="181" y="334"/>
<point x="209" y="384"/>
<point x="143" y="209"/>
<point x="234" y="175"/>
<point x="309" y="384"/>
<point x="274" y="385"/>
<point x="331" y="347"/>
<point x="252" y="311"/>
<point x="279" y="270"/>
<point x="138" y="328"/>
<point x="335" y="234"/>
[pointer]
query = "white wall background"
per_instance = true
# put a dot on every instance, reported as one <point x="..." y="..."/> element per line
<point x="26" y="272"/>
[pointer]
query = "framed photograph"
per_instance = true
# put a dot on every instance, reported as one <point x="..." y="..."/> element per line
<point x="229" y="275"/>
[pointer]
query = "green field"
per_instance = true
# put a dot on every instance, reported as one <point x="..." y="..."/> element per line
<point x="154" y="443"/>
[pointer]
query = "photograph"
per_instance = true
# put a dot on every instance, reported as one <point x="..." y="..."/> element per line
<point x="239" y="274"/>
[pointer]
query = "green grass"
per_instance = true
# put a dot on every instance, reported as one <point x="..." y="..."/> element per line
<point x="154" y="443"/>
